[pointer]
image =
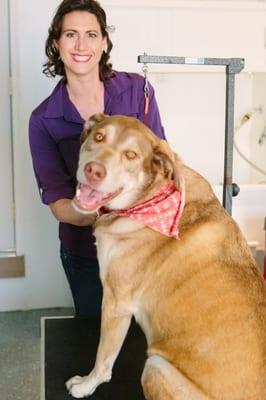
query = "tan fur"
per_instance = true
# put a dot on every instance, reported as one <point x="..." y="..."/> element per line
<point x="200" y="300"/>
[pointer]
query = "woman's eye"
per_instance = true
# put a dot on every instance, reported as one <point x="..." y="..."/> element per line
<point x="98" y="137"/>
<point x="131" y="155"/>
<point x="92" y="35"/>
<point x="70" y="34"/>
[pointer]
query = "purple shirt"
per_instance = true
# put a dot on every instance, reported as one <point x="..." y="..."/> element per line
<point x="54" y="134"/>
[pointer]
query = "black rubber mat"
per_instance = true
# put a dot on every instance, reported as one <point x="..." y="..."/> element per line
<point x="70" y="347"/>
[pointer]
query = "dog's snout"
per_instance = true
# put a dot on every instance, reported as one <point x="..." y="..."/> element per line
<point x="94" y="172"/>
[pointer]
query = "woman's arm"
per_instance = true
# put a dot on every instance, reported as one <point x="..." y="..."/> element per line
<point x="64" y="212"/>
<point x="54" y="180"/>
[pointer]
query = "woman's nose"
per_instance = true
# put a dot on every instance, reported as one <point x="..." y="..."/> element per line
<point x="94" y="172"/>
<point x="80" y="43"/>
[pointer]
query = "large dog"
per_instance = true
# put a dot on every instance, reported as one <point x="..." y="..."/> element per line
<point x="172" y="257"/>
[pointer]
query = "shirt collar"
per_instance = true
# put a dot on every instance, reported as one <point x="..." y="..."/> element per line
<point x="60" y="105"/>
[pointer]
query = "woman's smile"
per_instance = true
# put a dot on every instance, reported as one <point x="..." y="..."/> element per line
<point x="81" y="58"/>
<point x="81" y="44"/>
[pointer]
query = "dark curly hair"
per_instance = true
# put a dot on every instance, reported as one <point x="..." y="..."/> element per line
<point x="54" y="65"/>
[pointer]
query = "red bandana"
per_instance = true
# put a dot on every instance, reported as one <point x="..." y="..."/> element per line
<point x="161" y="213"/>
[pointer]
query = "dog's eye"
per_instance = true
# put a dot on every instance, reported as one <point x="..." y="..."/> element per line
<point x="131" y="155"/>
<point x="98" y="137"/>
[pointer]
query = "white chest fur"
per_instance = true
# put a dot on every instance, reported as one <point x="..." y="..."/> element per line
<point x="106" y="249"/>
<point x="108" y="241"/>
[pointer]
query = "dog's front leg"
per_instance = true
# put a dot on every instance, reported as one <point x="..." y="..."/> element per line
<point x="114" y="327"/>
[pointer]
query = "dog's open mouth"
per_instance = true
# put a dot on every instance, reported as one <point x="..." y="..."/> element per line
<point x="88" y="199"/>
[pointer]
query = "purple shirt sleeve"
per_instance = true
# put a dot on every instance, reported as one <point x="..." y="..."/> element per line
<point x="49" y="167"/>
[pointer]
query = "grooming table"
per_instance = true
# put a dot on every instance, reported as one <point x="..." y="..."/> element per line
<point x="69" y="348"/>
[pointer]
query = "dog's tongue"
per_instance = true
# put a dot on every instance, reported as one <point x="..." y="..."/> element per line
<point x="88" y="198"/>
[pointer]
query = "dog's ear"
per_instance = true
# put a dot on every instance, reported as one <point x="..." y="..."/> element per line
<point x="168" y="161"/>
<point x="94" y="119"/>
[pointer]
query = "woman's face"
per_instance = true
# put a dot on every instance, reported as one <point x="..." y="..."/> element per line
<point x="81" y="44"/>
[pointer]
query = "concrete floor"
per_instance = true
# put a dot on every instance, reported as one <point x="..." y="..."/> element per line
<point x="20" y="366"/>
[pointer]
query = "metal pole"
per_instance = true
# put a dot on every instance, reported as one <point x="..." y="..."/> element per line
<point x="229" y="140"/>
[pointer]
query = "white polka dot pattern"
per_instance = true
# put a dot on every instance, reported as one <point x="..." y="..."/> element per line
<point x="162" y="212"/>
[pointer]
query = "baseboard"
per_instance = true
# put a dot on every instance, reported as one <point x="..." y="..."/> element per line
<point x="12" y="267"/>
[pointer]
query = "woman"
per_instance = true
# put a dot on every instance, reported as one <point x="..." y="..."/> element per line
<point x="78" y="49"/>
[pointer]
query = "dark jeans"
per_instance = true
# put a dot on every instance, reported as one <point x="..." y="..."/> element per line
<point x="83" y="277"/>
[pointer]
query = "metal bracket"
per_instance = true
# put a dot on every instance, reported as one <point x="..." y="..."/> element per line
<point x="232" y="66"/>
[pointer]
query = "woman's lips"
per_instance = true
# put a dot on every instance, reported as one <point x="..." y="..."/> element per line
<point x="81" y="58"/>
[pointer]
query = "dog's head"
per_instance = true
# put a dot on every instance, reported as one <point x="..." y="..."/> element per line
<point x="121" y="162"/>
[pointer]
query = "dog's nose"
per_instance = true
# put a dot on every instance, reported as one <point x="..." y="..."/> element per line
<point x="94" y="172"/>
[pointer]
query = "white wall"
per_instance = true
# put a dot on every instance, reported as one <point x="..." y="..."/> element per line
<point x="191" y="103"/>
<point x="45" y="283"/>
<point x="257" y="129"/>
<point x="6" y="209"/>
<point x="192" y="99"/>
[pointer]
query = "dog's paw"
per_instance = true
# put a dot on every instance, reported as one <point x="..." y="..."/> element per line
<point x="73" y="381"/>
<point x="80" y="387"/>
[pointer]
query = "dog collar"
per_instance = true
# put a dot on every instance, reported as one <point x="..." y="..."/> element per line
<point x="161" y="212"/>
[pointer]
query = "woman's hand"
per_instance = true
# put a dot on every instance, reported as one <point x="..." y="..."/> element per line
<point x="65" y="212"/>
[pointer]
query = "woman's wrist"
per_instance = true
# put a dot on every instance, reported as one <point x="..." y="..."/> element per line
<point x="64" y="211"/>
